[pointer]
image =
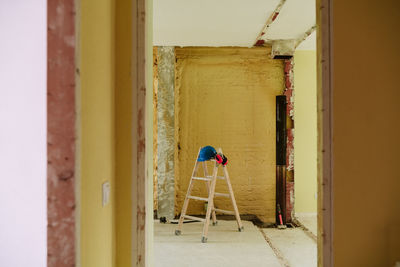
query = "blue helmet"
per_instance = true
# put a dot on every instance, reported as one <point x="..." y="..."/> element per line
<point x="206" y="153"/>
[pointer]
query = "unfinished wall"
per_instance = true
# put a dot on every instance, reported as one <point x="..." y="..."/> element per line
<point x="305" y="120"/>
<point x="225" y="97"/>
<point x="289" y="93"/>
<point x="366" y="132"/>
<point x="155" y="88"/>
<point x="165" y="131"/>
<point x="62" y="139"/>
<point x="97" y="132"/>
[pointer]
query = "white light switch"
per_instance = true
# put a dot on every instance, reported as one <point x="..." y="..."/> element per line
<point x="106" y="193"/>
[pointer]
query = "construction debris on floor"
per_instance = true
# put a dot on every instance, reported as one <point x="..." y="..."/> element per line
<point x="228" y="247"/>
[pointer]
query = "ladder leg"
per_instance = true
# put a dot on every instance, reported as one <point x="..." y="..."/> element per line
<point x="210" y="204"/>
<point x="214" y="217"/>
<point x="186" y="202"/>
<point x="228" y="181"/>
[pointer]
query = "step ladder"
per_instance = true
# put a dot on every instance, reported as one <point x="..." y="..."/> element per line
<point x="211" y="181"/>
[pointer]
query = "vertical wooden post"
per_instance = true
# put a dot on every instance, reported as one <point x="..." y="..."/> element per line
<point x="139" y="185"/>
<point x="324" y="115"/>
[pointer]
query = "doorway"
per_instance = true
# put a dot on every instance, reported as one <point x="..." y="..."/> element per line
<point x="290" y="194"/>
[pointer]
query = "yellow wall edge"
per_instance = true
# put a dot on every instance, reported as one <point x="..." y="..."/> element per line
<point x="305" y="140"/>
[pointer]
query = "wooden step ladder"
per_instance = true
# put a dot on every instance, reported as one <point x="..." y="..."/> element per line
<point x="211" y="181"/>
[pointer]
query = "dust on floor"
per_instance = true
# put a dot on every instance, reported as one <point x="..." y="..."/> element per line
<point x="228" y="247"/>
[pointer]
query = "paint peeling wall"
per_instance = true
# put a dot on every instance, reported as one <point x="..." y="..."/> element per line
<point x="226" y="98"/>
<point x="289" y="93"/>
<point x="165" y="131"/>
<point x="61" y="168"/>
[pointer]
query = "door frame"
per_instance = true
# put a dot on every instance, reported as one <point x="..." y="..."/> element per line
<point x="325" y="127"/>
<point x="141" y="199"/>
<point x="324" y="12"/>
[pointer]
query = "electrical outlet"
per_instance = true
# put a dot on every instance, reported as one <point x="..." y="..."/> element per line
<point x="106" y="190"/>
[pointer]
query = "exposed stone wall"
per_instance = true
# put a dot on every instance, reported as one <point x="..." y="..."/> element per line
<point x="165" y="131"/>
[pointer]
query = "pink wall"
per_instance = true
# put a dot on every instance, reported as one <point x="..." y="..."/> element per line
<point x="23" y="133"/>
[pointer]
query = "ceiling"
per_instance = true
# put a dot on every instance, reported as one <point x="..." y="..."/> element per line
<point x="230" y="22"/>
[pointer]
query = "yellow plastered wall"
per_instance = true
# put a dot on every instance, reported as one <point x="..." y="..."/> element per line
<point x="305" y="141"/>
<point x="225" y="97"/>
<point x="97" y="132"/>
<point x="366" y="143"/>
<point x="123" y="132"/>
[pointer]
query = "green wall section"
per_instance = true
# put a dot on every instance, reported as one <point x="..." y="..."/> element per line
<point x="305" y="140"/>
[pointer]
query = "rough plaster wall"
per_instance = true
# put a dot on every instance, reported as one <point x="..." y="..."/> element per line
<point x="62" y="136"/>
<point x="165" y="131"/>
<point x="226" y="99"/>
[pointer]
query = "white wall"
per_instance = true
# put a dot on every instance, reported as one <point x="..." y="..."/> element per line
<point x="23" y="215"/>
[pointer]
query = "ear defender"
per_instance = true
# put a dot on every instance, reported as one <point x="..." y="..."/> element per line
<point x="218" y="158"/>
<point x="224" y="160"/>
<point x="221" y="159"/>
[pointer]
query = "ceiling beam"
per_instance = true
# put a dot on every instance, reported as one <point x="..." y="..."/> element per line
<point x="305" y="35"/>
<point x="260" y="40"/>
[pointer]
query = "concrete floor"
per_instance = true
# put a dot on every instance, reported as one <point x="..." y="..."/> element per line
<point x="228" y="247"/>
<point x="309" y="221"/>
<point x="294" y="246"/>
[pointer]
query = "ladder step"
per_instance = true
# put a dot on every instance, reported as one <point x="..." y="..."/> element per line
<point x="221" y="195"/>
<point x="219" y="177"/>
<point x="225" y="211"/>
<point x="198" y="198"/>
<point x="194" y="218"/>
<point x="201" y="178"/>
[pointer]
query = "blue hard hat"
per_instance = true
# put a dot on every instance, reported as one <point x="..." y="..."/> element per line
<point x="206" y="153"/>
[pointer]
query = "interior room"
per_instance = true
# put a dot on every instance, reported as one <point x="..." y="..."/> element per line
<point x="233" y="89"/>
<point x="242" y="79"/>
